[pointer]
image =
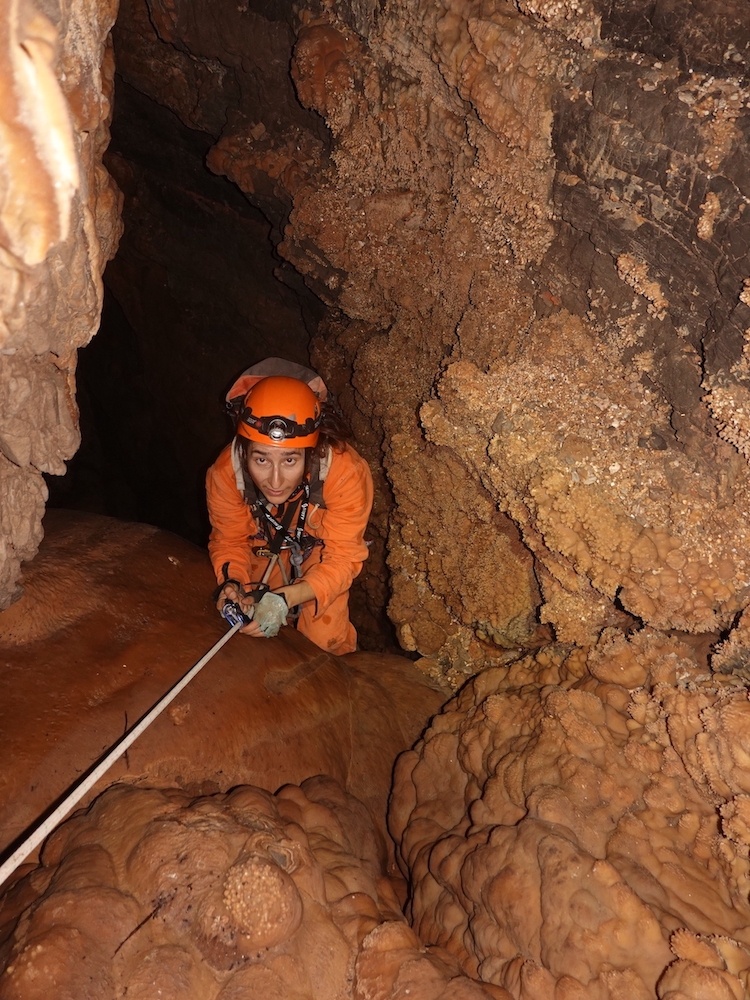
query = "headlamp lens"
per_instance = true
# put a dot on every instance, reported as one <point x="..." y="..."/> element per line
<point x="277" y="430"/>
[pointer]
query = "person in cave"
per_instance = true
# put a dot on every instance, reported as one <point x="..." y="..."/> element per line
<point x="289" y="499"/>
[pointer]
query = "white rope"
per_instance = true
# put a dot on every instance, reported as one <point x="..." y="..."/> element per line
<point x="89" y="780"/>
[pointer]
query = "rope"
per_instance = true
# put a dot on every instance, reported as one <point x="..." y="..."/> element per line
<point x="90" y="779"/>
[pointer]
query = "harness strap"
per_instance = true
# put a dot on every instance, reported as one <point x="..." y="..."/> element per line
<point x="300" y="498"/>
<point x="299" y="543"/>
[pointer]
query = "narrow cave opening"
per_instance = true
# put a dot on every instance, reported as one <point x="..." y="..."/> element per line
<point x="195" y="293"/>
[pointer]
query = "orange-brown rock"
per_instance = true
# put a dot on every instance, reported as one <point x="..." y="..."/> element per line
<point x="576" y="824"/>
<point x="243" y="894"/>
<point x="59" y="224"/>
<point x="501" y="224"/>
<point x="112" y="615"/>
<point x="615" y="523"/>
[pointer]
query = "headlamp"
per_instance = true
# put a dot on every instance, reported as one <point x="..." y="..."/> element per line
<point x="279" y="428"/>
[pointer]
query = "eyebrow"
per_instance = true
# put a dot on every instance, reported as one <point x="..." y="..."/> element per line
<point x="286" y="452"/>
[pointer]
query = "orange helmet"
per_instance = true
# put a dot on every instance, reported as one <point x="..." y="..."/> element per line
<point x="282" y="412"/>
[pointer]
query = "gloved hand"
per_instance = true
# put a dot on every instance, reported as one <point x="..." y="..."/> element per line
<point x="270" y="613"/>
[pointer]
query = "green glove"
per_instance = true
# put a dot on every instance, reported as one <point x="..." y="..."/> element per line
<point x="270" y="613"/>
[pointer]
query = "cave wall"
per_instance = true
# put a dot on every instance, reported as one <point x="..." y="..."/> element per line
<point x="545" y="305"/>
<point x="527" y="224"/>
<point x="59" y="224"/>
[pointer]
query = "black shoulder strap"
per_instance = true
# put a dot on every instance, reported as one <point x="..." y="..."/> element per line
<point x="281" y="528"/>
<point x="316" y="483"/>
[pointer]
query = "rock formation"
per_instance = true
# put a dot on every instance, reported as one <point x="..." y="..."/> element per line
<point x="59" y="224"/>
<point x="574" y="825"/>
<point x="548" y="210"/>
<point x="245" y="894"/>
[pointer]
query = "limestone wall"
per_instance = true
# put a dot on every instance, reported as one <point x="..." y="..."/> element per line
<point x="534" y="225"/>
<point x="59" y="223"/>
<point x="575" y="825"/>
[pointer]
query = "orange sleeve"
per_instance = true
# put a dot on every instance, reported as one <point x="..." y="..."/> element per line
<point x="232" y="524"/>
<point x="341" y="524"/>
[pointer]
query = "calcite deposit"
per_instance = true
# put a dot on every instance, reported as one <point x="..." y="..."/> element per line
<point x="575" y="825"/>
<point x="59" y="224"/>
<point x="543" y="233"/>
<point x="245" y="894"/>
<point x="619" y="520"/>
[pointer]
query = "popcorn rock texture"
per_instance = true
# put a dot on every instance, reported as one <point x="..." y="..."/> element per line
<point x="245" y="894"/>
<point x="578" y="456"/>
<point x="576" y="824"/>
<point x="523" y="263"/>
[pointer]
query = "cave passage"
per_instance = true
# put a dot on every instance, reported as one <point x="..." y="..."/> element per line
<point x="195" y="294"/>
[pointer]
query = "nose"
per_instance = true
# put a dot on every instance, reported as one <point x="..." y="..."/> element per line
<point x="276" y="478"/>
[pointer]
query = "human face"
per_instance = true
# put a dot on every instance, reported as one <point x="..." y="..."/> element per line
<point x="277" y="472"/>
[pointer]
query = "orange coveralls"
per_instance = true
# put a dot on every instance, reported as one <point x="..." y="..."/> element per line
<point x="329" y="569"/>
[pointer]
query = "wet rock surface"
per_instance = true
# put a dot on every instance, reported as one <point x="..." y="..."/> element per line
<point x="114" y="614"/>
<point x="59" y="224"/>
